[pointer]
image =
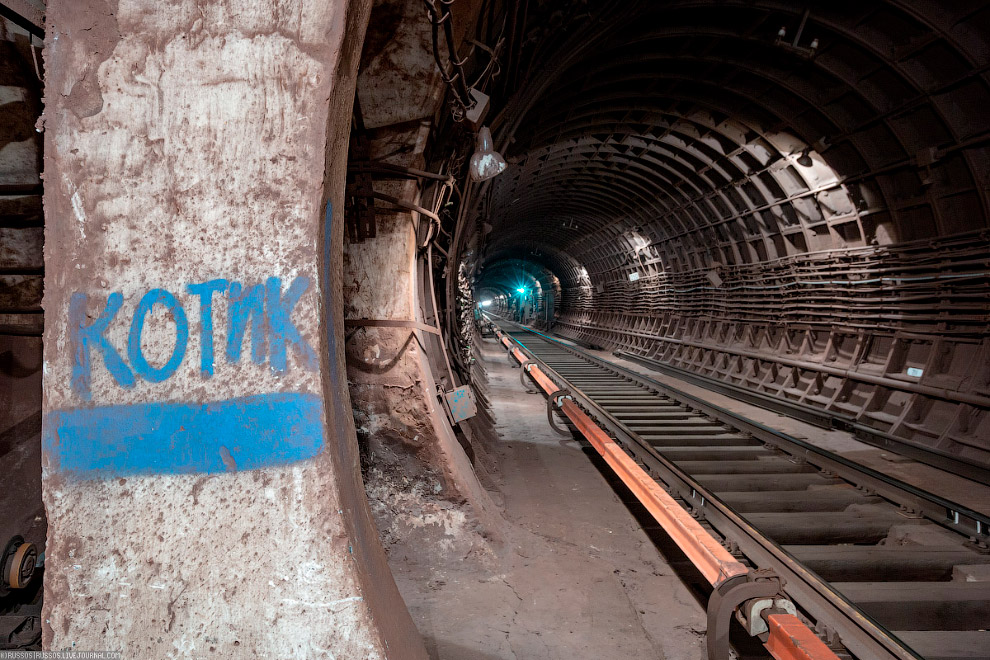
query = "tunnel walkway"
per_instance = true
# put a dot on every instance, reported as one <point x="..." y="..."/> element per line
<point x="576" y="578"/>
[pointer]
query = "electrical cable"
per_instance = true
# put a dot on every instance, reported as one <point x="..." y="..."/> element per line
<point x="456" y="81"/>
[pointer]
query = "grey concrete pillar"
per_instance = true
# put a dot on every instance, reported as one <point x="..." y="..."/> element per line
<point x="199" y="467"/>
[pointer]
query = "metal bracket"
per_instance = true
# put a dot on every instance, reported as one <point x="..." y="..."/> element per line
<point x="753" y="614"/>
<point x="526" y="366"/>
<point x="359" y="206"/>
<point x="729" y="595"/>
<point x="556" y="399"/>
<point x="908" y="512"/>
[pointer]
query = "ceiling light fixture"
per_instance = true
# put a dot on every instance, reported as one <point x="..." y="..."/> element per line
<point x="486" y="162"/>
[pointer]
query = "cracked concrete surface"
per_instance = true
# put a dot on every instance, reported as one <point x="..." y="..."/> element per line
<point x="577" y="578"/>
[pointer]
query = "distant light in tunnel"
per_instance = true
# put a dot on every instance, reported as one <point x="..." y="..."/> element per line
<point x="521" y="290"/>
<point x="486" y="162"/>
<point x="633" y="276"/>
<point x="486" y="303"/>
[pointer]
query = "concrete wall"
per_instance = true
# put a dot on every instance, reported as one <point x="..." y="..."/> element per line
<point x="199" y="467"/>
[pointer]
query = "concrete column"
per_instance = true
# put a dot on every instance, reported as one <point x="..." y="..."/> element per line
<point x="415" y="458"/>
<point x="420" y="479"/>
<point x="200" y="474"/>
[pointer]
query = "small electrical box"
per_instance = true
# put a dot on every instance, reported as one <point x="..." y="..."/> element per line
<point x="460" y="404"/>
<point x="476" y="115"/>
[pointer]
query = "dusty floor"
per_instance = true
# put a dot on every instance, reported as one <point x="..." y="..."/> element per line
<point x="577" y="577"/>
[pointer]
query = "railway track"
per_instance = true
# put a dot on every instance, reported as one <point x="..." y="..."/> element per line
<point x="880" y="568"/>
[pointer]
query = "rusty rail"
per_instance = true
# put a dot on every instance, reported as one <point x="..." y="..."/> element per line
<point x="790" y="639"/>
<point x="711" y="558"/>
<point x="707" y="554"/>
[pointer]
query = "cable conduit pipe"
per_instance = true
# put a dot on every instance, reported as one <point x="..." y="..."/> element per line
<point x="388" y="168"/>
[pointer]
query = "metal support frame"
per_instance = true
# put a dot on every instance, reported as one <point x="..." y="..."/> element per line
<point x="359" y="207"/>
<point x="556" y="400"/>
<point x="525" y="366"/>
<point x="726" y="598"/>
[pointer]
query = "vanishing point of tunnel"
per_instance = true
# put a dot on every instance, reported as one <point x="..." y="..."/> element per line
<point x="495" y="329"/>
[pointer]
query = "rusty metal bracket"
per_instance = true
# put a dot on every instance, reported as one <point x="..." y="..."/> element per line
<point x="359" y="205"/>
<point x="729" y="595"/>
<point x="556" y="399"/>
<point x="526" y="365"/>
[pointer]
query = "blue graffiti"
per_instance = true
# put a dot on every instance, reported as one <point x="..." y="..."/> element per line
<point x="138" y="361"/>
<point x="280" y="326"/>
<point x="249" y="305"/>
<point x="262" y="307"/>
<point x="84" y="337"/>
<point x="205" y="292"/>
<point x="244" y="433"/>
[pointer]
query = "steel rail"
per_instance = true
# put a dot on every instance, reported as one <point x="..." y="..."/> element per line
<point x="859" y="632"/>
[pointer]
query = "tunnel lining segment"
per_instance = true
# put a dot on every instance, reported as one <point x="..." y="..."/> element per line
<point x="153" y="562"/>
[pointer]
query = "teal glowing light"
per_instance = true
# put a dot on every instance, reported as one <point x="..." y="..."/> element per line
<point x="521" y="290"/>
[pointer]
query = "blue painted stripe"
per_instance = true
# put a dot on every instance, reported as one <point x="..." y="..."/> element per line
<point x="180" y="438"/>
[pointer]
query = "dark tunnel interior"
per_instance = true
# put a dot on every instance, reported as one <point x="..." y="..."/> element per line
<point x="787" y="199"/>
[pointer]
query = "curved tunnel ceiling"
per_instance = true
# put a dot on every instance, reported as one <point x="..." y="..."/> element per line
<point x="802" y="215"/>
<point x="691" y="136"/>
